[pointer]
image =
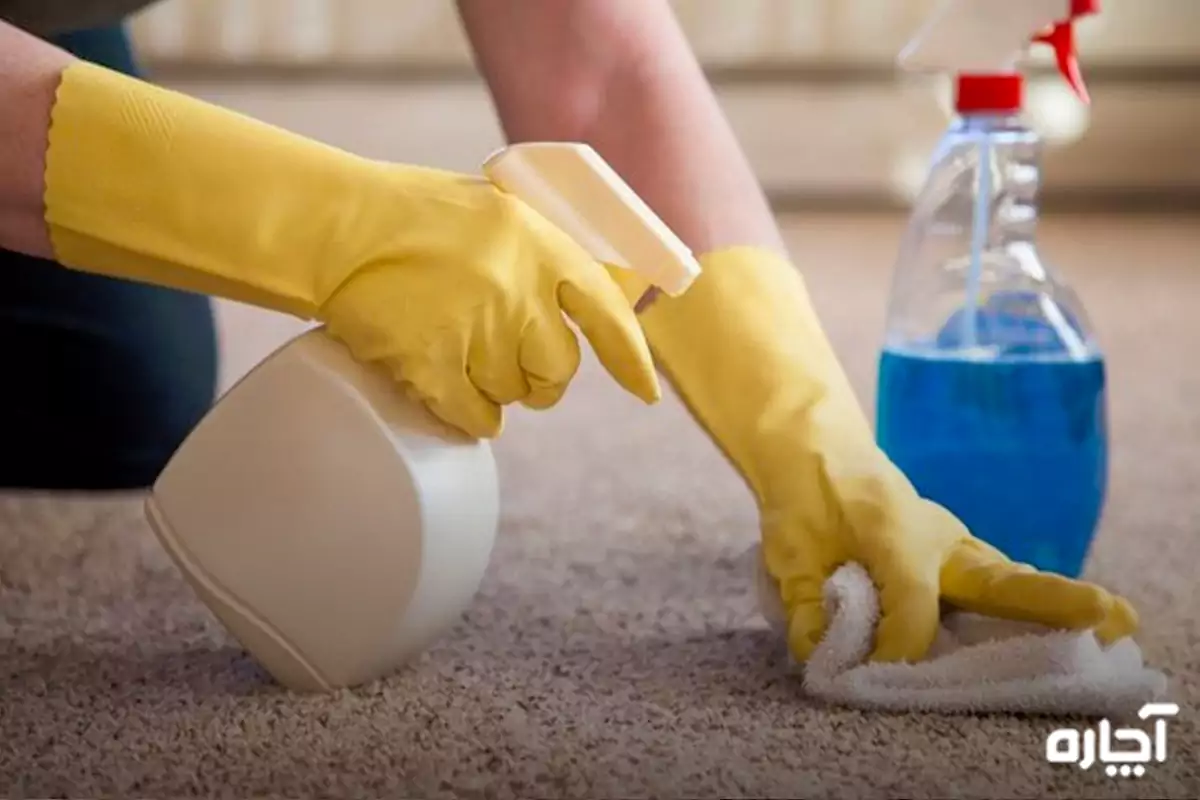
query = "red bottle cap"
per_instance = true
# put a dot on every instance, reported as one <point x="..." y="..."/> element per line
<point x="989" y="94"/>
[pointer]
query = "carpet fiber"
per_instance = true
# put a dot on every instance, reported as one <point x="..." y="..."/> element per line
<point x="614" y="650"/>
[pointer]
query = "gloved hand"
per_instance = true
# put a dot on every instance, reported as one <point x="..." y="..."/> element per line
<point x="746" y="353"/>
<point x="455" y="287"/>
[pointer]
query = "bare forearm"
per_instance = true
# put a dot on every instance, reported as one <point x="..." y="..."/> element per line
<point x="29" y="75"/>
<point x="620" y="75"/>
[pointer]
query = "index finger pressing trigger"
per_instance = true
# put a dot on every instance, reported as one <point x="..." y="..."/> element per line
<point x="595" y="303"/>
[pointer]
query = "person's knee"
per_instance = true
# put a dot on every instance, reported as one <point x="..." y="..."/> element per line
<point x="104" y="379"/>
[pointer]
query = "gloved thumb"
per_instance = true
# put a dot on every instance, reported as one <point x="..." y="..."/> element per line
<point x="795" y="611"/>
<point x="909" y="609"/>
<point x="804" y="602"/>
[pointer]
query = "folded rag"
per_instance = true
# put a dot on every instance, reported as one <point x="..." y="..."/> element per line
<point x="976" y="665"/>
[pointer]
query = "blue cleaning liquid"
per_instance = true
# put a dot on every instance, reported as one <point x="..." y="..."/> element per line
<point x="1016" y="447"/>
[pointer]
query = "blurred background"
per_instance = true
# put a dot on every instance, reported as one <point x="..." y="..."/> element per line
<point x="839" y="138"/>
<point x="809" y="84"/>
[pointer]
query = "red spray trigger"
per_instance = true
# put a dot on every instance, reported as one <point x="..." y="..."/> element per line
<point x="1062" y="38"/>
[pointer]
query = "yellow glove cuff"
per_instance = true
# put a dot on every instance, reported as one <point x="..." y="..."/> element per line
<point x="745" y="351"/>
<point x="148" y="184"/>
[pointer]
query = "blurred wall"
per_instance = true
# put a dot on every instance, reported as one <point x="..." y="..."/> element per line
<point x="809" y="85"/>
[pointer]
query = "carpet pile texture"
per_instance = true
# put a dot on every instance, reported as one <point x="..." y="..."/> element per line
<point x="614" y="650"/>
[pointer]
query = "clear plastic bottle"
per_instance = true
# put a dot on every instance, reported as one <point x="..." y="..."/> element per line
<point x="991" y="385"/>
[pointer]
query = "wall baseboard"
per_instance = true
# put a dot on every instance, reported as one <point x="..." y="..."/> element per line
<point x="855" y="142"/>
<point x="1053" y="200"/>
<point x="759" y="72"/>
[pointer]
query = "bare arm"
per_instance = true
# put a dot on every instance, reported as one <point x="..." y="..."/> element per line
<point x="29" y="75"/>
<point x="621" y="76"/>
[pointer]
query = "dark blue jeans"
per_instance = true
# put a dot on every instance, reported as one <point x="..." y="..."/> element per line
<point x="100" y="379"/>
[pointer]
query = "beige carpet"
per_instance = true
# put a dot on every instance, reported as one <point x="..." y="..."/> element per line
<point x="613" y="651"/>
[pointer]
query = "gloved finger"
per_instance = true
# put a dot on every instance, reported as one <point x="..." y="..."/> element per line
<point x="549" y="356"/>
<point x="795" y="568"/>
<point x="454" y="400"/>
<point x="909" y="609"/>
<point x="978" y="579"/>
<point x="807" y="622"/>
<point x="1121" y="621"/>
<point x="595" y="303"/>
<point x="496" y="377"/>
<point x="631" y="283"/>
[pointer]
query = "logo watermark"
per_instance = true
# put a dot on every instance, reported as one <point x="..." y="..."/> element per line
<point x="1088" y="747"/>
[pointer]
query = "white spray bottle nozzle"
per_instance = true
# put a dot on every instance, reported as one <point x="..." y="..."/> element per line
<point x="576" y="189"/>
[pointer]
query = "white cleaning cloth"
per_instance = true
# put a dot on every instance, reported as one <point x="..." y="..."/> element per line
<point x="977" y="664"/>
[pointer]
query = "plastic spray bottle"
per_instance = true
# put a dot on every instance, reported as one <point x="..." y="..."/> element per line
<point x="991" y="386"/>
<point x="333" y="524"/>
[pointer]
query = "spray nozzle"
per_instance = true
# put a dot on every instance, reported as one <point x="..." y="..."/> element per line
<point x="1061" y="36"/>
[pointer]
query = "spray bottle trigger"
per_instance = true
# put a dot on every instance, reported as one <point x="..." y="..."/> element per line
<point x="573" y="187"/>
<point x="1062" y="38"/>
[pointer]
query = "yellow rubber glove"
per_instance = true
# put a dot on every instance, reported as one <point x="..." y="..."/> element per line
<point x="746" y="353"/>
<point x="455" y="287"/>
